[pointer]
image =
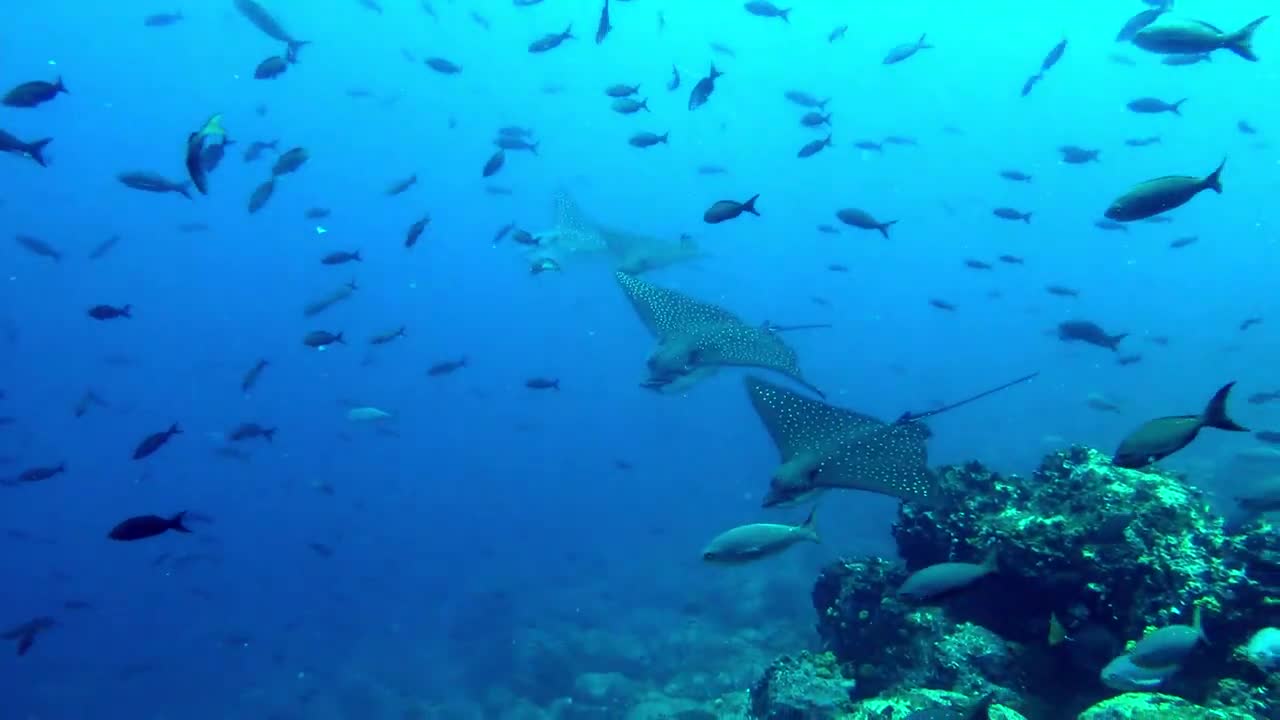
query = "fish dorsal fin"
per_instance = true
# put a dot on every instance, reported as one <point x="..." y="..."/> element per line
<point x="668" y="313"/>
<point x="846" y="449"/>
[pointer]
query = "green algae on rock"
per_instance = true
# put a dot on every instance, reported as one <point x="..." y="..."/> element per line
<point x="1154" y="706"/>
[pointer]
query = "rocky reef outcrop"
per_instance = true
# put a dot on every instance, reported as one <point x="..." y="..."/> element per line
<point x="1101" y="554"/>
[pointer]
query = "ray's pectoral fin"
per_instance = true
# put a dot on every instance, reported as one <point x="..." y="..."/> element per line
<point x="823" y="446"/>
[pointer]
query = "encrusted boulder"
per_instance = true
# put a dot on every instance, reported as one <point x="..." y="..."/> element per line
<point x="803" y="687"/>
<point x="899" y="706"/>
<point x="1111" y="553"/>
<point x="1153" y="706"/>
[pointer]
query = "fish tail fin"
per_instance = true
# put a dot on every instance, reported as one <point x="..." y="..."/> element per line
<point x="1176" y="108"/>
<point x="127" y="310"/>
<point x="750" y="205"/>
<point x="401" y="332"/>
<point x="828" y="142"/>
<point x="36" y="151"/>
<point x="60" y="86"/>
<point x="184" y="189"/>
<point x="269" y="434"/>
<point x="1215" y="413"/>
<point x="62" y="467"/>
<point x="884" y="227"/>
<point x="922" y="44"/>
<point x="1113" y="341"/>
<point x="555" y="384"/>
<point x="1026" y="218"/>
<point x="294" y="46"/>
<point x="175" y="522"/>
<point x="1214" y="180"/>
<point x="1241" y="41"/>
<point x="810" y="526"/>
<point x="356" y="256"/>
<point x="783" y="14"/>
<point x="568" y="31"/>
<point x="338" y="339"/>
<point x="714" y="72"/>
<point x="663" y="137"/>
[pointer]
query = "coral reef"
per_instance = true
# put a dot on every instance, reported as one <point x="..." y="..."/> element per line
<point x="1112" y="553"/>
<point x="803" y="687"/>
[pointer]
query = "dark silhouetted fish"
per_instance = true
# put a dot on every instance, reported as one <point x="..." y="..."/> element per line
<point x="251" y="378"/>
<point x="34" y="150"/>
<point x="110" y="312"/>
<point x="603" y="28"/>
<point x="40" y="474"/>
<point x="249" y="430"/>
<point x="696" y="338"/>
<point x="1088" y="332"/>
<point x="1183" y="241"/>
<point x="155" y="441"/>
<point x="38" y="247"/>
<point x="289" y="161"/>
<point x="1151" y="106"/>
<point x="1162" y="194"/>
<point x="443" y="66"/>
<point x="703" y="89"/>
<point x="162" y="19"/>
<point x="1162" y="437"/>
<point x="271" y="68"/>
<point x="674" y="82"/>
<point x="863" y="220"/>
<point x="31" y="94"/>
<point x="1074" y="155"/>
<point x="208" y="134"/>
<point x="152" y="182"/>
<point x="1007" y="213"/>
<point x="415" y="231"/>
<point x="261" y="195"/>
<point x="541" y="383"/>
<point x="647" y="139"/>
<point x="494" y="163"/>
<point x="1143" y="142"/>
<point x="321" y="339"/>
<point x="814" y="147"/>
<point x="942" y="304"/>
<point x="906" y="50"/>
<point x="1244" y="127"/>
<point x="147" y="526"/>
<point x="551" y="41"/>
<point x="446" y="367"/>
<point x="1015" y="175"/>
<point x="1183" y="36"/>
<point x="265" y="22"/>
<point x="723" y="210"/>
<point x="388" y="336"/>
<point x="1250" y="322"/>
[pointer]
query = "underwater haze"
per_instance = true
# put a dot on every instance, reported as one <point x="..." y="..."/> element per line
<point x="518" y="484"/>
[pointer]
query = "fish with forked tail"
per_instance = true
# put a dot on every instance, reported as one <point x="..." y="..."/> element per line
<point x="1162" y="437"/>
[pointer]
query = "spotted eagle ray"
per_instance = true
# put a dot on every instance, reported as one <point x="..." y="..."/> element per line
<point x="696" y="338"/>
<point x="575" y="235"/>
<point x="824" y="447"/>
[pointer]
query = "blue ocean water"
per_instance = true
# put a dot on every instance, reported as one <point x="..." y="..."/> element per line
<point x="488" y="523"/>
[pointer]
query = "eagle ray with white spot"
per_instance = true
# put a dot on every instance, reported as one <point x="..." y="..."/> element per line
<point x="823" y="447"/>
<point x="575" y="235"/>
<point x="695" y="338"/>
